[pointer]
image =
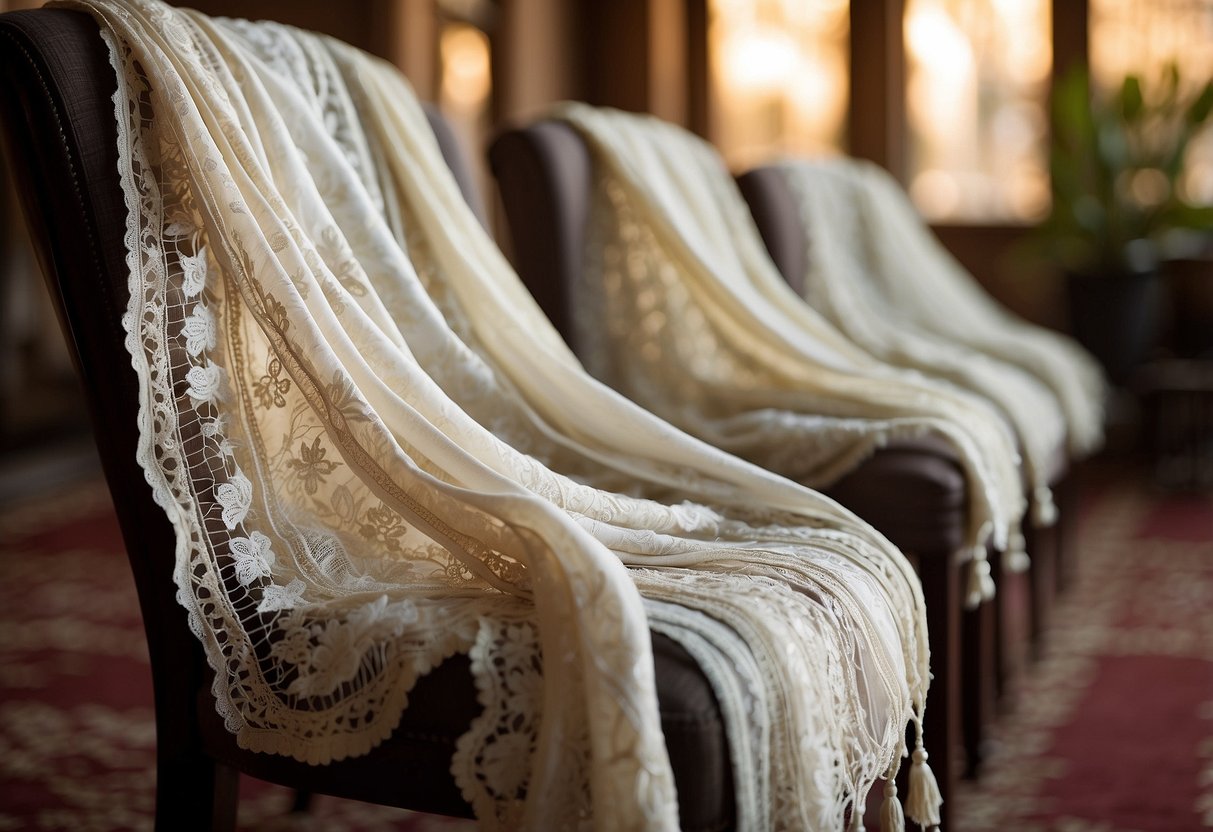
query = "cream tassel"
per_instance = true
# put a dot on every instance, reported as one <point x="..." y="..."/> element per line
<point x="924" y="800"/>
<point x="892" y="819"/>
<point x="856" y="824"/>
<point x="1016" y="559"/>
<point x="981" y="583"/>
<point x="1044" y="510"/>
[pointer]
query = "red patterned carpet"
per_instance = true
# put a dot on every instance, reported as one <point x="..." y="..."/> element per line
<point x="1112" y="730"/>
<point x="77" y="743"/>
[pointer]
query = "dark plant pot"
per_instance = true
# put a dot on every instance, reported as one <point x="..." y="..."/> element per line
<point x="1116" y="316"/>
<point x="1190" y="283"/>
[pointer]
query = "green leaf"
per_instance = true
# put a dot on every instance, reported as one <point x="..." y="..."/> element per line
<point x="1072" y="121"/>
<point x="1199" y="110"/>
<point x="1131" y="101"/>
<point x="1195" y="217"/>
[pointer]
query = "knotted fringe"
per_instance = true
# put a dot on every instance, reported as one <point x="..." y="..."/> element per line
<point x="1044" y="510"/>
<point x="1016" y="560"/>
<point x="924" y="799"/>
<point x="981" y="582"/>
<point x="892" y="819"/>
<point x="856" y="824"/>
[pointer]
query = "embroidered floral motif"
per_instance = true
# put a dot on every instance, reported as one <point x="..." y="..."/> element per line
<point x="235" y="496"/>
<point x="271" y="389"/>
<point x="253" y="557"/>
<point x="216" y="429"/>
<point x="311" y="466"/>
<point x="204" y="382"/>
<point x="295" y="645"/>
<point x="178" y="229"/>
<point x="343" y="400"/>
<point x="199" y="331"/>
<point x="276" y="597"/>
<point x="194" y="273"/>
<point x="384" y="527"/>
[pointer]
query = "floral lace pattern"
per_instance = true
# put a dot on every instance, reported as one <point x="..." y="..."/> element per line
<point x="328" y="425"/>
<point x="907" y="269"/>
<point x="874" y="274"/>
<point x="699" y="327"/>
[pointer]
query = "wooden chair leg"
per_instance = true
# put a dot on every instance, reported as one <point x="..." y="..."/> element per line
<point x="979" y="637"/>
<point x="1002" y="648"/>
<point x="941" y="589"/>
<point x="193" y="792"/>
<point x="1042" y="580"/>
<point x="1066" y="494"/>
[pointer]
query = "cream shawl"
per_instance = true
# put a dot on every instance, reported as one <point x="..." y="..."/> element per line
<point x="683" y="311"/>
<point x="876" y="272"/>
<point x="333" y="453"/>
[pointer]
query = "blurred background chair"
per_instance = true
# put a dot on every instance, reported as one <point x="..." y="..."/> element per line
<point x="775" y="212"/>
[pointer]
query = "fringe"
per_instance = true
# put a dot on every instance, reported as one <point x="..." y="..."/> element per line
<point x="892" y="818"/>
<point x="1044" y="509"/>
<point x="924" y="799"/>
<point x="981" y="582"/>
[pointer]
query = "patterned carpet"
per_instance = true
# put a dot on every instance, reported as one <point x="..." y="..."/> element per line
<point x="1112" y="730"/>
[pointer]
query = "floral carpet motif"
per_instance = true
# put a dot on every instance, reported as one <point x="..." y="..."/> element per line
<point x="77" y="740"/>
<point x="1111" y="728"/>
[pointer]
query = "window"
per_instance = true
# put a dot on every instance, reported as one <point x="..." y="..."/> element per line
<point x="1143" y="38"/>
<point x="778" y="76"/>
<point x="977" y="76"/>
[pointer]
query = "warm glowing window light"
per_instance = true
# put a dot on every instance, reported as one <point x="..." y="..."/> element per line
<point x="466" y="76"/>
<point x="1142" y="37"/>
<point x="779" y="82"/>
<point x="465" y="90"/>
<point x="978" y="78"/>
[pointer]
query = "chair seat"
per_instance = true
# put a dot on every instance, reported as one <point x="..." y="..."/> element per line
<point x="411" y="769"/>
<point x="914" y="491"/>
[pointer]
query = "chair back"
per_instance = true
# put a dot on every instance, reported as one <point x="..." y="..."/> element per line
<point x="61" y="140"/>
<point x="544" y="173"/>
<point x="774" y="209"/>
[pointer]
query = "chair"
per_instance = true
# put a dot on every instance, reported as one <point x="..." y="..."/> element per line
<point x="914" y="492"/>
<point x="60" y="137"/>
<point x="776" y="214"/>
<point x="774" y="209"/>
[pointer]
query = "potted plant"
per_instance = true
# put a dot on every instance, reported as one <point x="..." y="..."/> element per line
<point x="1117" y="162"/>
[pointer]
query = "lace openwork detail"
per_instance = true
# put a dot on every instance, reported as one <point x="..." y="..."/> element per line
<point x="319" y="429"/>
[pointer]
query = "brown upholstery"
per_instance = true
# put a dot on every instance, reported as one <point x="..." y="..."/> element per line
<point x="773" y="206"/>
<point x="456" y="160"/>
<point x="60" y="139"/>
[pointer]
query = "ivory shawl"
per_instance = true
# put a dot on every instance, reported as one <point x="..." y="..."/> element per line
<point x="335" y="456"/>
<point x="683" y="311"/>
<point x="876" y="271"/>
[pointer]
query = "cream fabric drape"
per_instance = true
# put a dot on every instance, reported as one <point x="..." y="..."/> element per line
<point x="370" y="469"/>
<point x="685" y="313"/>
<point x="875" y="271"/>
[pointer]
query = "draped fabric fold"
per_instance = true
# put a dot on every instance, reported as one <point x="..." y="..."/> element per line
<point x="875" y="271"/>
<point x="376" y="452"/>
<point x="685" y="313"/>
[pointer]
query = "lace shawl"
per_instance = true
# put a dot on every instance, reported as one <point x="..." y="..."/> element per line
<point x="685" y="313"/>
<point x="335" y="456"/>
<point x="876" y="272"/>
